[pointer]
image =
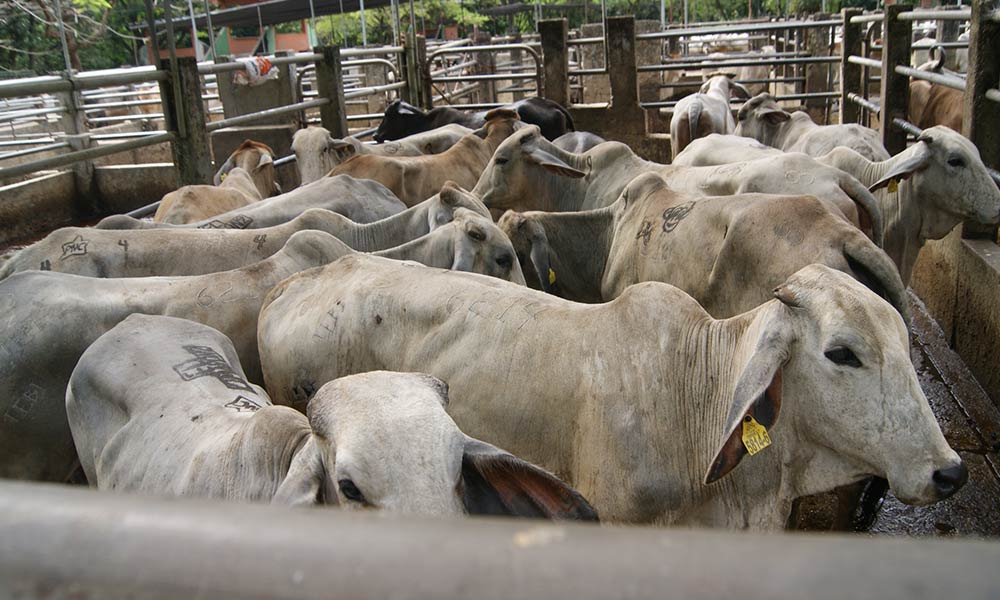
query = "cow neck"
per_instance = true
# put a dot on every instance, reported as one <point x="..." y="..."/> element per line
<point x="579" y="243"/>
<point x="268" y="443"/>
<point x="295" y="256"/>
<point x="794" y="128"/>
<point x="901" y="215"/>
<point x="427" y="250"/>
<point x="612" y="167"/>
<point x="391" y="231"/>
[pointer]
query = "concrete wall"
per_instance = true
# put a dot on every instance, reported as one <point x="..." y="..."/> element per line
<point x="119" y="193"/>
<point x="30" y="208"/>
<point x="959" y="280"/>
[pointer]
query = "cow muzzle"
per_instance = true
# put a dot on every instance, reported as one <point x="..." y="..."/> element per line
<point x="949" y="480"/>
<point x="931" y="487"/>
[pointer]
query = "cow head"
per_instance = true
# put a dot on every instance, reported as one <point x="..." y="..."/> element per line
<point x="521" y="168"/>
<point x="761" y="118"/>
<point x="531" y="244"/>
<point x="400" y="120"/>
<point x="383" y="440"/>
<point x="258" y="160"/>
<point x="477" y="245"/>
<point x="948" y="179"/>
<point x="317" y="152"/>
<point x="832" y="359"/>
<point x="442" y="206"/>
<point x="725" y="82"/>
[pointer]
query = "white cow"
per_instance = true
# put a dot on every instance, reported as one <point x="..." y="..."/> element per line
<point x="317" y="152"/>
<point x="704" y="112"/>
<point x="360" y="200"/>
<point x="645" y="404"/>
<point x="49" y="319"/>
<point x="148" y="252"/>
<point x="195" y="426"/>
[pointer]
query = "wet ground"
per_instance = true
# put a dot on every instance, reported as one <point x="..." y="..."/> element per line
<point x="971" y="423"/>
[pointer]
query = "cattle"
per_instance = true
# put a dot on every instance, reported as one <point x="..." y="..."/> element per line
<point x="751" y="75"/>
<point x="193" y="203"/>
<point x="360" y="200"/>
<point x="646" y="419"/>
<point x="197" y="202"/>
<point x="705" y="112"/>
<point x="721" y="149"/>
<point x="578" y="141"/>
<point x="197" y="427"/>
<point x="529" y="173"/>
<point x="150" y="252"/>
<point x="925" y="191"/>
<point x="416" y="178"/>
<point x="317" y="152"/>
<point x="53" y="317"/>
<point x="726" y="252"/>
<point x="402" y="119"/>
<point x="762" y="119"/>
<point x="932" y="103"/>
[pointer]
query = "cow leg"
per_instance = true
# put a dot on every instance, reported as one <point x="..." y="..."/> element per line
<point x="858" y="504"/>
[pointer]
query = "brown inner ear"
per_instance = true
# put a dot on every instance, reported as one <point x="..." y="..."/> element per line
<point x="765" y="411"/>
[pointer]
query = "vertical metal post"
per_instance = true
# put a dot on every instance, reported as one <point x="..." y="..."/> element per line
<point x="194" y="33"/>
<point x="62" y="37"/>
<point x="211" y="32"/>
<point x="329" y="85"/>
<point x="394" y="17"/>
<point x="555" y="60"/>
<point x="192" y="149"/>
<point x="685" y="13"/>
<point x="364" y="27"/>
<point x="895" y="92"/>
<point x="312" y="16"/>
<point x="982" y="116"/>
<point x="850" y="73"/>
<point x="663" y="14"/>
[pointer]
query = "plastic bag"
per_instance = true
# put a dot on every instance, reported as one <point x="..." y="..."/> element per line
<point x="256" y="70"/>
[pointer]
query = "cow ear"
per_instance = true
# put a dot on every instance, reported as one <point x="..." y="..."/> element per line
<point x="342" y="149"/>
<point x="774" y="116"/>
<point x="903" y="169"/>
<point x="304" y="481"/>
<point x="502" y="113"/>
<point x="756" y="401"/>
<point x="451" y="193"/>
<point x="265" y="160"/>
<point x="223" y="171"/>
<point x="498" y="483"/>
<point x="553" y="163"/>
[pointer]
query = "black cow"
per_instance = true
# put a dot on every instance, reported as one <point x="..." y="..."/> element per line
<point x="402" y="119"/>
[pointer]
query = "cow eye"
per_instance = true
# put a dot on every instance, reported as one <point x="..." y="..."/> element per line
<point x="843" y="356"/>
<point x="477" y="235"/>
<point x="350" y="491"/>
<point x="505" y="261"/>
<point x="956" y="161"/>
<point x="500" y="161"/>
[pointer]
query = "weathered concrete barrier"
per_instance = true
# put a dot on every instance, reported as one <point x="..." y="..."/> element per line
<point x="61" y="541"/>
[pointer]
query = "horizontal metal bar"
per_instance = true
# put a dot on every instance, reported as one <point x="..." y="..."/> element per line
<point x="271" y="112"/>
<point x="864" y="103"/>
<point x="873" y="18"/>
<point x="122" y="104"/>
<point x="28" y="151"/>
<point x="123" y="135"/>
<point x="32" y="142"/>
<point x="365" y="117"/>
<point x="584" y="72"/>
<point x="993" y="94"/>
<point x="465" y="49"/>
<point x="284" y="160"/>
<point x="69" y="541"/>
<point x="377" y="89"/>
<point x="96" y="79"/>
<point x="137" y="117"/>
<point x="865" y="62"/>
<point x="750" y="28"/>
<point x="125" y="94"/>
<point x="364" y="133"/>
<point x="239" y="65"/>
<point x="88" y="154"/>
<point x="759" y="57"/>
<point x="585" y="41"/>
<point x="936" y="15"/>
<point x="486" y="77"/>
<point x="805" y="96"/>
<point x="955" y="83"/>
<point x="380" y="51"/>
<point x="738" y="63"/>
<point x="32" y="112"/>
<point x="34" y="85"/>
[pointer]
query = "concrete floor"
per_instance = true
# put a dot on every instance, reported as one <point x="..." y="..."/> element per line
<point x="971" y="423"/>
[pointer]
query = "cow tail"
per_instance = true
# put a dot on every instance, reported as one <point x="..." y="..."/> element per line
<point x="569" y="119"/>
<point x="694" y="117"/>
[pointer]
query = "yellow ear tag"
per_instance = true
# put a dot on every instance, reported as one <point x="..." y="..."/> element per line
<point x="552" y="277"/>
<point x="755" y="436"/>
<point x="893" y="186"/>
<point x="223" y="177"/>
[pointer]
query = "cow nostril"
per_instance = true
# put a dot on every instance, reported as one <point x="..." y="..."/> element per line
<point x="950" y="480"/>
